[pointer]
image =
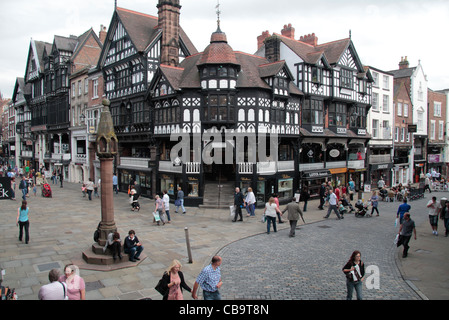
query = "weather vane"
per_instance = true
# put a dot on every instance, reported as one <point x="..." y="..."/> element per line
<point x="218" y="13"/>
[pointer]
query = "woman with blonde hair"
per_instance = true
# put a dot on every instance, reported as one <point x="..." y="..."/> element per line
<point x="173" y="282"/>
<point x="270" y="213"/>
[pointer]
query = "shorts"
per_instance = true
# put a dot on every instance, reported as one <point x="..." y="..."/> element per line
<point x="433" y="220"/>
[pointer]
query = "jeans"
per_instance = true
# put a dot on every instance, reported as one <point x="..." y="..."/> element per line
<point x="167" y="212"/>
<point x="269" y="221"/>
<point x="351" y="285"/>
<point x="211" y="295"/>
<point x="115" y="188"/>
<point x="182" y="206"/>
<point x="89" y="192"/>
<point x="25" y="224"/>
<point x="24" y="194"/>
<point x="250" y="208"/>
<point x="405" y="241"/>
<point x="134" y="252"/>
<point x="305" y="206"/>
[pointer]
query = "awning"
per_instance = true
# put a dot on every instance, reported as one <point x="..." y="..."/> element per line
<point x="339" y="170"/>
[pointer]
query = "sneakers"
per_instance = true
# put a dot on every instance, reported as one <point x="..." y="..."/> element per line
<point x="435" y="232"/>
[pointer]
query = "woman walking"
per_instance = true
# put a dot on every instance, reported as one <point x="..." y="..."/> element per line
<point x="23" y="221"/>
<point x="374" y="202"/>
<point x="76" y="287"/>
<point x="173" y="282"/>
<point x="270" y="213"/>
<point x="355" y="271"/>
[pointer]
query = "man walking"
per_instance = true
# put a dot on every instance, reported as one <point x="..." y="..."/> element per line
<point x="405" y="233"/>
<point x="332" y="205"/>
<point x="322" y="195"/>
<point x="115" y="183"/>
<point x="403" y="208"/>
<point x="23" y="185"/>
<point x="209" y="280"/>
<point x="238" y="203"/>
<point x="434" y="210"/>
<point x="294" y="211"/>
<point x="180" y="201"/>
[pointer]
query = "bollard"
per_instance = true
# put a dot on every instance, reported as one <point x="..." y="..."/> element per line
<point x="189" y="252"/>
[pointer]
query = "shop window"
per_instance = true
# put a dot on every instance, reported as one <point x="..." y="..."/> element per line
<point x="285" y="189"/>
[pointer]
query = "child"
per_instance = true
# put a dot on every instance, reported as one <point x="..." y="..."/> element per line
<point x="34" y="189"/>
<point x="83" y="190"/>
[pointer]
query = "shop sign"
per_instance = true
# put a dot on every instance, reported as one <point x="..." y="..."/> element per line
<point x="316" y="129"/>
<point x="434" y="158"/>
<point x="334" y="153"/>
<point x="362" y="132"/>
<point x="341" y="130"/>
<point x="316" y="174"/>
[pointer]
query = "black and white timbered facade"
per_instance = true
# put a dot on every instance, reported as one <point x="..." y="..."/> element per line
<point x="337" y="97"/>
<point x="131" y="56"/>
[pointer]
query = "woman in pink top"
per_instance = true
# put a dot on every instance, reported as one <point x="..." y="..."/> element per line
<point x="76" y="288"/>
<point x="173" y="282"/>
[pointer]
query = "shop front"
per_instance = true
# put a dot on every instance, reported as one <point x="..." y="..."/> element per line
<point x="313" y="180"/>
<point x="379" y="171"/>
<point x="127" y="176"/>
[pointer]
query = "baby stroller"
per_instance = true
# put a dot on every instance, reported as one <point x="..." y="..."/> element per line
<point x="362" y="208"/>
<point x="46" y="190"/>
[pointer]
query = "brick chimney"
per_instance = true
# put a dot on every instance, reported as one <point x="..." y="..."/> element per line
<point x="310" y="39"/>
<point x="102" y="34"/>
<point x="404" y="63"/>
<point x="261" y="39"/>
<point x="169" y="14"/>
<point x="288" y="31"/>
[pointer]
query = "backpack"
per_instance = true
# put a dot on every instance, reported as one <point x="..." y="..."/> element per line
<point x="97" y="233"/>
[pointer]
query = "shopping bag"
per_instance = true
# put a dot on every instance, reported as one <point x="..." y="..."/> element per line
<point x="264" y="218"/>
<point x="396" y="239"/>
<point x="156" y="216"/>
<point x="396" y="222"/>
<point x="232" y="208"/>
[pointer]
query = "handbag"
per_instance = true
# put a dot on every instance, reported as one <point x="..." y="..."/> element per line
<point x="232" y="209"/>
<point x="160" y="287"/>
<point x="177" y="203"/>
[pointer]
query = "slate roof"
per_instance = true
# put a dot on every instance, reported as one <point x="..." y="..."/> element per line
<point x="143" y="29"/>
<point x="403" y="73"/>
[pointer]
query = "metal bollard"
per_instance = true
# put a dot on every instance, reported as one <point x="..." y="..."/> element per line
<point x="189" y="251"/>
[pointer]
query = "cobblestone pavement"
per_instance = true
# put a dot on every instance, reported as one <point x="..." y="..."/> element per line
<point x="309" y="266"/>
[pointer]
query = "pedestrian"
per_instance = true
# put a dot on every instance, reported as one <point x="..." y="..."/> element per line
<point x="322" y="195"/>
<point x="53" y="177"/>
<point x="159" y="209"/>
<point x="23" y="185"/>
<point x="375" y="203"/>
<point x="403" y="208"/>
<point x="305" y="197"/>
<point x="276" y="200"/>
<point x="354" y="270"/>
<point x="76" y="287"/>
<point x="209" y="280"/>
<point x="427" y="184"/>
<point x="132" y="246"/>
<point x="23" y="221"/>
<point x="134" y="198"/>
<point x="434" y="210"/>
<point x="34" y="189"/>
<point x="90" y="188"/>
<point x="113" y="243"/>
<point x="61" y="177"/>
<point x="173" y="282"/>
<point x="96" y="195"/>
<point x="294" y="211"/>
<point x="406" y="230"/>
<point x="238" y="204"/>
<point x="166" y="202"/>
<point x="55" y="290"/>
<point x="445" y="216"/>
<point x="115" y="183"/>
<point x="332" y="205"/>
<point x="83" y="190"/>
<point x="250" y="202"/>
<point x="13" y="188"/>
<point x="380" y="183"/>
<point x="180" y="200"/>
<point x="270" y="213"/>
<point x="351" y="189"/>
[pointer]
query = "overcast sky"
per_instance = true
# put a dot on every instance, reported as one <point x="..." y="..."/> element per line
<point x="382" y="30"/>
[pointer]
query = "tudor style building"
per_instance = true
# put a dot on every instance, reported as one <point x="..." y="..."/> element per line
<point x="337" y="97"/>
<point x="135" y="46"/>
<point x="234" y="103"/>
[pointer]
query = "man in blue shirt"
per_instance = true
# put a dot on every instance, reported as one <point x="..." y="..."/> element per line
<point x="115" y="183"/>
<point x="403" y="208"/>
<point x="209" y="280"/>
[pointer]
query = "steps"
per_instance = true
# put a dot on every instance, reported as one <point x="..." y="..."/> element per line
<point x="218" y="195"/>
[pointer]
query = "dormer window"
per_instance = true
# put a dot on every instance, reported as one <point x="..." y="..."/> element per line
<point x="317" y="75"/>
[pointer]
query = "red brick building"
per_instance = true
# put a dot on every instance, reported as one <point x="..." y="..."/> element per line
<point x="437" y="128"/>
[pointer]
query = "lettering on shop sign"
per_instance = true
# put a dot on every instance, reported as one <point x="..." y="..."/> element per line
<point x="5" y="188"/>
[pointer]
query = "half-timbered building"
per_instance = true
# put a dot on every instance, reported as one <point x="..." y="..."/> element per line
<point x="135" y="46"/>
<point x="337" y="97"/>
<point x="233" y="107"/>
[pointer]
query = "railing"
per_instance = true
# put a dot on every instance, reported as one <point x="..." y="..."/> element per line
<point x="167" y="166"/>
<point x="61" y="156"/>
<point x="335" y="164"/>
<point x="379" y="158"/>
<point x="286" y="166"/>
<point x="193" y="167"/>
<point x="246" y="167"/>
<point x="80" y="158"/>
<point x="266" y="167"/>
<point x="356" y="164"/>
<point x="27" y="154"/>
<point x="311" y="166"/>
